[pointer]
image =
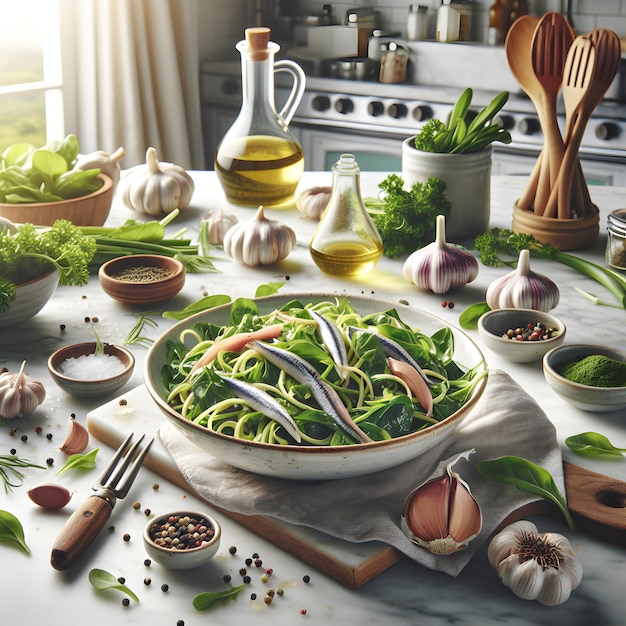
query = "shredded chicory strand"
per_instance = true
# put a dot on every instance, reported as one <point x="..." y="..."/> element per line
<point x="377" y="400"/>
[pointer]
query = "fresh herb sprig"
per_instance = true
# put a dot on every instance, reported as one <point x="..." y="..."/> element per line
<point x="406" y="218"/>
<point x="29" y="251"/>
<point x="134" y="337"/>
<point x="460" y="135"/>
<point x="11" y="470"/>
<point x="499" y="243"/>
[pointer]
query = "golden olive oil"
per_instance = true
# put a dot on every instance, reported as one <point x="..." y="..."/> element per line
<point x="259" y="170"/>
<point x="347" y="258"/>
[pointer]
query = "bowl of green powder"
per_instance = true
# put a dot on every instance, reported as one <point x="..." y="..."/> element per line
<point x="589" y="377"/>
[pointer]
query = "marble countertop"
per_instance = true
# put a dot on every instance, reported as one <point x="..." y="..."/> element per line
<point x="33" y="592"/>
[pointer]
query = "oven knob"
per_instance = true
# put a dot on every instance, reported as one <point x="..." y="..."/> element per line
<point x="422" y="112"/>
<point x="397" y="111"/>
<point x="344" y="106"/>
<point x="375" y="108"/>
<point x="505" y="121"/>
<point x="607" y="130"/>
<point x="529" y="126"/>
<point x="320" y="103"/>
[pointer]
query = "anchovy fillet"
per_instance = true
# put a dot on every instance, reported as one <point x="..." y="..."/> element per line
<point x="324" y="394"/>
<point x="394" y="350"/>
<point x="334" y="343"/>
<point x="264" y="403"/>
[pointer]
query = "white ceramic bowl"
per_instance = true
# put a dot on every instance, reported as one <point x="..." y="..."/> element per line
<point x="495" y="323"/>
<point x="92" y="387"/>
<point x="597" y="399"/>
<point x="313" y="462"/>
<point x="189" y="557"/>
<point x="30" y="298"/>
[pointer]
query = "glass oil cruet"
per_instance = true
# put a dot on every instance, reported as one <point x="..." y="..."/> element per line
<point x="259" y="162"/>
<point x="346" y="241"/>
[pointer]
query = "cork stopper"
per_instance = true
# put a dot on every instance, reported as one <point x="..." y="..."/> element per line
<point x="257" y="39"/>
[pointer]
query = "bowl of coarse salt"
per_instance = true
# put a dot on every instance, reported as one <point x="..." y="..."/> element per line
<point x="91" y="370"/>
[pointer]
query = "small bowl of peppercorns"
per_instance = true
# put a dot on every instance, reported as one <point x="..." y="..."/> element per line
<point x="520" y="335"/>
<point x="183" y="539"/>
<point x="142" y="278"/>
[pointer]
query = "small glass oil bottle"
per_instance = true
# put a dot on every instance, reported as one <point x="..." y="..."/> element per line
<point x="346" y="241"/>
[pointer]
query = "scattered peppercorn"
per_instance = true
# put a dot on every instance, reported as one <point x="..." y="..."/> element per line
<point x="49" y="436"/>
<point x="87" y="319"/>
<point x="280" y="591"/>
<point x="233" y="549"/>
<point x="24" y="438"/>
<point x="242" y="571"/>
<point x="264" y="578"/>
<point x="50" y="461"/>
<point x="126" y="537"/>
<point x="62" y="326"/>
<point x="226" y="578"/>
<point x="136" y="505"/>
<point x="258" y="562"/>
<point x="13" y="451"/>
<point x="121" y="580"/>
<point x="147" y="580"/>
<point x="38" y="430"/>
<point x="165" y="587"/>
<point x="302" y="611"/>
<point x="247" y="580"/>
<point x="306" y="578"/>
<point x="269" y="571"/>
<point x="248" y="561"/>
<point x="450" y="305"/>
<point x="147" y="512"/>
<point x="111" y="528"/>
<point x="123" y="402"/>
<point x="267" y="600"/>
<point x="255" y="555"/>
<point x="13" y="432"/>
<point x="444" y="304"/>
<point x="270" y="593"/>
<point x="95" y="319"/>
<point x="125" y="601"/>
<point x="253" y="596"/>
<point x="180" y="622"/>
<point x="155" y="486"/>
<point x="147" y="562"/>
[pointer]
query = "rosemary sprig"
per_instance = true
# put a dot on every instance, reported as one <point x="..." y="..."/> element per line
<point x="10" y="473"/>
<point x="134" y="336"/>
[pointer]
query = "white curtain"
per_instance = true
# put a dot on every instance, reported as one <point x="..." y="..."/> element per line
<point x="131" y="78"/>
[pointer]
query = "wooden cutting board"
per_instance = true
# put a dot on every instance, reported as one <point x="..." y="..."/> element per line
<point x="597" y="502"/>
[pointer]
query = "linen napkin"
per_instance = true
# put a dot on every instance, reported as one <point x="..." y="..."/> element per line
<point x="505" y="421"/>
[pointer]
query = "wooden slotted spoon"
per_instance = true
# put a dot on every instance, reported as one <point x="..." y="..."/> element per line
<point x="518" y="46"/>
<point x="552" y="39"/>
<point x="591" y="66"/>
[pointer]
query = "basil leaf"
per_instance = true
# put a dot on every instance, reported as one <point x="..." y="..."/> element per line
<point x="526" y="476"/>
<point x="101" y="580"/>
<point x="11" y="531"/>
<point x="80" y="461"/>
<point x="592" y="444"/>
<point x="211" y="599"/>
<point x="470" y="316"/>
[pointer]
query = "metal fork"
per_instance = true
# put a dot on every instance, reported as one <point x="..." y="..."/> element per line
<point x="87" y="521"/>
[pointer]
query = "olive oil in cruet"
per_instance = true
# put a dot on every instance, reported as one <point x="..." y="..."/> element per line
<point x="346" y="241"/>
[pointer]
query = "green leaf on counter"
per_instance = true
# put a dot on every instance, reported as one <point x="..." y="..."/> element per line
<point x="101" y="580"/>
<point x="211" y="599"/>
<point x="268" y="289"/>
<point x="594" y="445"/>
<point x="80" y="461"/>
<point x="11" y="531"/>
<point x="470" y="316"/>
<point x="526" y="476"/>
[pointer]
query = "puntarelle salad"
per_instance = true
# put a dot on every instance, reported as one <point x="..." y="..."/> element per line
<point x="316" y="374"/>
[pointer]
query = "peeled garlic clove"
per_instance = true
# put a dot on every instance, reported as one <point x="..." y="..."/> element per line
<point x="313" y="202"/>
<point x="441" y="514"/>
<point x="218" y="222"/>
<point x="440" y="267"/>
<point x="523" y="289"/>
<point x="50" y="496"/>
<point x="76" y="439"/>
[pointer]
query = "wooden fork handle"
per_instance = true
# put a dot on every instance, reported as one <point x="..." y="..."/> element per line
<point x="80" y="530"/>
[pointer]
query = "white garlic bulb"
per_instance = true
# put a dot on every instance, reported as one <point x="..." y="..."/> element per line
<point x="441" y="514"/>
<point x="440" y="266"/>
<point x="108" y="164"/>
<point x="523" y="289"/>
<point x="218" y="222"/>
<point x="312" y="202"/>
<point x="19" y="394"/>
<point x="535" y="566"/>
<point x="259" y="241"/>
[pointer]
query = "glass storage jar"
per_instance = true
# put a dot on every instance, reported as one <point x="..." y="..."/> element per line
<point x="615" y="254"/>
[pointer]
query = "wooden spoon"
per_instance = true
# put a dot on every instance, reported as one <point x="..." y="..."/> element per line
<point x="518" y="47"/>
<point x="591" y="66"/>
<point x="552" y="39"/>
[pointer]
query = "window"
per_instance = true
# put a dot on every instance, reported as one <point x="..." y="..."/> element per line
<point x="31" y="99"/>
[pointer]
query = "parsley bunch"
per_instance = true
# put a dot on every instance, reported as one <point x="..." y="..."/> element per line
<point x="406" y="219"/>
<point x="27" y="252"/>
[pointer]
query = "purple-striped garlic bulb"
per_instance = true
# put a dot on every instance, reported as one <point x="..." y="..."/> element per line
<point x="440" y="267"/>
<point x="523" y="289"/>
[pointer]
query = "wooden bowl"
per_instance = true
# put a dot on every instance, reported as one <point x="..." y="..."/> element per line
<point x="90" y="386"/>
<point x="90" y="210"/>
<point x="142" y="278"/>
<point x="570" y="234"/>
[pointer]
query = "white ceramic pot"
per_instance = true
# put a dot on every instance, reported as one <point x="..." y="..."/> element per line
<point x="30" y="298"/>
<point x="468" y="185"/>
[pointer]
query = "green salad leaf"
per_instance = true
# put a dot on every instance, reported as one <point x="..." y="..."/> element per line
<point x="101" y="580"/>
<point x="80" y="461"/>
<point x="11" y="531"/>
<point x="594" y="445"/>
<point x="211" y="599"/>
